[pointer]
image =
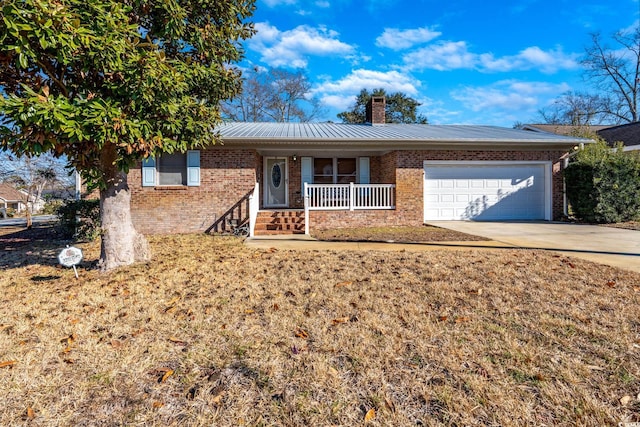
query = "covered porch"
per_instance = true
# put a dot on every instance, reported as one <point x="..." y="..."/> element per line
<point x="315" y="181"/>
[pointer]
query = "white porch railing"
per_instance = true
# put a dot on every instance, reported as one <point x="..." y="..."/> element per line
<point x="254" y="207"/>
<point x="348" y="196"/>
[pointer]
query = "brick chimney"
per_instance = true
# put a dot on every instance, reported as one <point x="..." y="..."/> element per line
<point x="375" y="110"/>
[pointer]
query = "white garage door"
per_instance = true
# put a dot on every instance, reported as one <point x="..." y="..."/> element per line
<point x="497" y="191"/>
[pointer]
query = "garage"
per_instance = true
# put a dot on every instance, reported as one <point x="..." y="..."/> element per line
<point x="487" y="191"/>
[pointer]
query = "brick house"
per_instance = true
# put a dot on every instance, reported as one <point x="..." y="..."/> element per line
<point x="351" y="175"/>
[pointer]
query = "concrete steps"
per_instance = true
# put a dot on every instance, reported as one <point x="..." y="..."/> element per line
<point x="274" y="222"/>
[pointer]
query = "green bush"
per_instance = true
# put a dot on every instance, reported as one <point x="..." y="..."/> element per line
<point x="603" y="185"/>
<point x="80" y="219"/>
<point x="51" y="207"/>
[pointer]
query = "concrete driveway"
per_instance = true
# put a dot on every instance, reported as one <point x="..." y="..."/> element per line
<point x="605" y="245"/>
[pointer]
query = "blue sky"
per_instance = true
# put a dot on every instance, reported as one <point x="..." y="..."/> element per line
<point x="467" y="61"/>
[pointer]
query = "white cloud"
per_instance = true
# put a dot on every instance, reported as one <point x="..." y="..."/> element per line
<point x="274" y="3"/>
<point x="396" y="39"/>
<point x="323" y="4"/>
<point x="441" y="56"/>
<point x="291" y="48"/>
<point x="341" y="94"/>
<point x="509" y="95"/>
<point x="449" y="55"/>
<point x="530" y="58"/>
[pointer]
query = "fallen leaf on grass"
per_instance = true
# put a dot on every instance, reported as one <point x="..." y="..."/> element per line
<point x="8" y="363"/>
<point x="611" y="283"/>
<point x="625" y="400"/>
<point x="30" y="412"/>
<point x="166" y="376"/>
<point x="390" y="405"/>
<point x="442" y="318"/>
<point x="158" y="404"/>
<point x="346" y="283"/>
<point x="218" y="394"/>
<point x="340" y="320"/>
<point x="116" y="343"/>
<point x="370" y="415"/>
<point x="461" y="319"/>
<point x="301" y="333"/>
<point x="177" y="341"/>
<point x="174" y="300"/>
<point x="68" y="340"/>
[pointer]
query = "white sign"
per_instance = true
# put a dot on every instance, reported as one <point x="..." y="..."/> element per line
<point x="70" y="257"/>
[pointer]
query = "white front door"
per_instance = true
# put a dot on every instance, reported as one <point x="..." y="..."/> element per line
<point x="276" y="178"/>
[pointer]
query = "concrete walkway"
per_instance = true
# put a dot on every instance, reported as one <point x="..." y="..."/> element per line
<point x="605" y="245"/>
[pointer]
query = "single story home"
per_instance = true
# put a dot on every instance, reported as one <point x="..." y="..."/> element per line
<point x="11" y="199"/>
<point x="297" y="177"/>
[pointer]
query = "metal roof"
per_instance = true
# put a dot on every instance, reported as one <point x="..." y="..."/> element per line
<point x="413" y="134"/>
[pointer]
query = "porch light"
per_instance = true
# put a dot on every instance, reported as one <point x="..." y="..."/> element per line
<point x="295" y="157"/>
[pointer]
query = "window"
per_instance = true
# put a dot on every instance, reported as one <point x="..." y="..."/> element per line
<point x="172" y="170"/>
<point x="334" y="170"/>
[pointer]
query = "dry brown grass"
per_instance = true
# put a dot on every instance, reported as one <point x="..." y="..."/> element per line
<point x="214" y="333"/>
<point x="426" y="233"/>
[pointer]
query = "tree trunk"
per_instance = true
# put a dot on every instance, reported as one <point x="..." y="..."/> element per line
<point x="121" y="243"/>
<point x="28" y="216"/>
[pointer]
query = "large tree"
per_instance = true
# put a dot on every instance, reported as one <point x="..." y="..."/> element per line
<point x="615" y="73"/>
<point x="273" y="95"/>
<point x="399" y="108"/>
<point x="612" y="71"/>
<point x="576" y="109"/>
<point x="108" y="83"/>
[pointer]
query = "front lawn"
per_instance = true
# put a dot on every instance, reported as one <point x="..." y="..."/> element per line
<point x="425" y="233"/>
<point x="213" y="333"/>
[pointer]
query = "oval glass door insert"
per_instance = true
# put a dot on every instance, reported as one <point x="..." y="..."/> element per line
<point x="276" y="175"/>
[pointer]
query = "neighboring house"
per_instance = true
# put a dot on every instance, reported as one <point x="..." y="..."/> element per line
<point x="566" y="130"/>
<point x="628" y="134"/>
<point x="355" y="175"/>
<point x="11" y="199"/>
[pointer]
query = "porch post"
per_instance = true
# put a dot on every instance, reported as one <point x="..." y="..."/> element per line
<point x="306" y="209"/>
<point x="352" y="196"/>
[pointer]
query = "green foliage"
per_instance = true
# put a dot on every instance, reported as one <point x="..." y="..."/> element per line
<point x="603" y="185"/>
<point x="399" y="108"/>
<point x="80" y="219"/>
<point x="51" y="207"/>
<point x="83" y="78"/>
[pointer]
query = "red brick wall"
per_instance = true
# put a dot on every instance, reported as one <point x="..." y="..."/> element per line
<point x="229" y="174"/>
<point x="226" y="175"/>
<point x="406" y="170"/>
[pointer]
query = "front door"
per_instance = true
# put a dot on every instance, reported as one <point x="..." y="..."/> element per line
<point x="276" y="178"/>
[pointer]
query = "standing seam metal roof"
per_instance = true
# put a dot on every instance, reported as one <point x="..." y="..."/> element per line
<point x="295" y="132"/>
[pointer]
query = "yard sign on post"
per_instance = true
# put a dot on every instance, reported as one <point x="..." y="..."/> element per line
<point x="70" y="257"/>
